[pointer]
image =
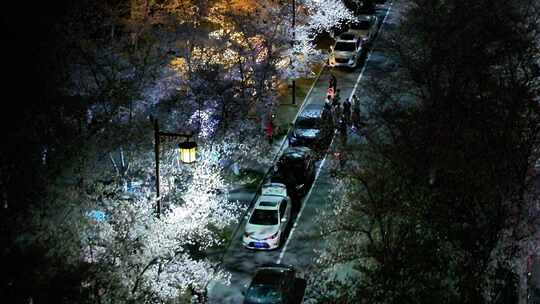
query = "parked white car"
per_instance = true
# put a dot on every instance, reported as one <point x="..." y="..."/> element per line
<point x="346" y="52"/>
<point x="269" y="218"/>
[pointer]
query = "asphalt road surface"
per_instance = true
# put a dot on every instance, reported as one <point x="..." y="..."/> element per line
<point x="303" y="236"/>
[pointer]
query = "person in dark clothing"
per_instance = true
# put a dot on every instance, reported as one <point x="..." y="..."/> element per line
<point x="328" y="101"/>
<point x="270" y="129"/>
<point x="342" y="128"/>
<point x="327" y="119"/>
<point x="347" y="111"/>
<point x="333" y="82"/>
<point x="337" y="98"/>
<point x="355" y="115"/>
<point x="336" y="112"/>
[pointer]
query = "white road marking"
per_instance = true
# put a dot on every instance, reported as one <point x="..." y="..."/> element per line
<point x="304" y="201"/>
<point x="369" y="55"/>
<point x="306" y="198"/>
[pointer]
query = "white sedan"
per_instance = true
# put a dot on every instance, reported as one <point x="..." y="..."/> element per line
<point x="268" y="220"/>
<point x="345" y="53"/>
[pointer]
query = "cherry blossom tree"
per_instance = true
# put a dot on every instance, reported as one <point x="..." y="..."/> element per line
<point x="314" y="17"/>
<point x="163" y="258"/>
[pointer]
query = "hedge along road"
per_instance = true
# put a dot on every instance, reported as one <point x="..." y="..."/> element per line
<point x="304" y="235"/>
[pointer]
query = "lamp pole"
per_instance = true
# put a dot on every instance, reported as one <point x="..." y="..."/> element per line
<point x="294" y="38"/>
<point x="157" y="141"/>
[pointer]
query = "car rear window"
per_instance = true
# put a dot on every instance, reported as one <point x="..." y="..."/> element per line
<point x="264" y="217"/>
<point x="307" y="122"/>
<point x="346" y="36"/>
<point x="345" y="46"/>
<point x="263" y="294"/>
<point x="362" y="25"/>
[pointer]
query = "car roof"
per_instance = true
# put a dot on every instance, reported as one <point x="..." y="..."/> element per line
<point x="270" y="274"/>
<point x="365" y="17"/>
<point x="267" y="204"/>
<point x="347" y="36"/>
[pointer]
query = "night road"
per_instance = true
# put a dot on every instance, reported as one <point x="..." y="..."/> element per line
<point x="303" y="237"/>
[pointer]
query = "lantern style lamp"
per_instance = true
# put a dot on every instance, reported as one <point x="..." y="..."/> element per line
<point x="187" y="151"/>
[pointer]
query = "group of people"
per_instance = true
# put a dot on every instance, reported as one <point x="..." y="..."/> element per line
<point x="341" y="114"/>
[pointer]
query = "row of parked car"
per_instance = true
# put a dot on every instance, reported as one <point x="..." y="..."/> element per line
<point x="291" y="178"/>
<point x="294" y="174"/>
<point x="352" y="41"/>
<point x="265" y="228"/>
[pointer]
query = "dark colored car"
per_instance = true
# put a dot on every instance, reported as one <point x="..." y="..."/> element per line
<point x="361" y="7"/>
<point x="296" y="169"/>
<point x="311" y="130"/>
<point x="272" y="284"/>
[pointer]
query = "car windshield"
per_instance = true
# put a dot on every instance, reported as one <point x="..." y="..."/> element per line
<point x="346" y="36"/>
<point x="264" y="217"/>
<point x="307" y="123"/>
<point x="263" y="294"/>
<point x="344" y="47"/>
<point x="362" y="25"/>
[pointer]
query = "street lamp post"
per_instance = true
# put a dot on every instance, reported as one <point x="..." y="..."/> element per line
<point x="187" y="150"/>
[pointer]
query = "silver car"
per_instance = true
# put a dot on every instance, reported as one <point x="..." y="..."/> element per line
<point x="269" y="218"/>
<point x="346" y="52"/>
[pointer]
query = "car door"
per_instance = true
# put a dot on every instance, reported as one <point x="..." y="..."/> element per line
<point x="310" y="170"/>
<point x="284" y="212"/>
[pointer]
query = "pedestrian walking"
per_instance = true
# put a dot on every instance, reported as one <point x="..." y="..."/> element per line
<point x="328" y="101"/>
<point x="336" y="113"/>
<point x="342" y="128"/>
<point x="347" y="111"/>
<point x="355" y="116"/>
<point x="333" y="82"/>
<point x="270" y="129"/>
<point x="337" y="96"/>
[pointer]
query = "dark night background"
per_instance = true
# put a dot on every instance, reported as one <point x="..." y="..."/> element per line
<point x="30" y="118"/>
<point x="26" y="40"/>
<point x="27" y="89"/>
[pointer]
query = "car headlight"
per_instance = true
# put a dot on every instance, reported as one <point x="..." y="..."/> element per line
<point x="273" y="236"/>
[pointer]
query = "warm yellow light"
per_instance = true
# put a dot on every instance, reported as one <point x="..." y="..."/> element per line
<point x="187" y="151"/>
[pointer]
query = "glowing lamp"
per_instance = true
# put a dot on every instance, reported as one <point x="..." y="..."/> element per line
<point x="187" y="151"/>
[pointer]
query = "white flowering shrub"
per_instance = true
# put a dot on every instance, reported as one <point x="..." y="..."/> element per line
<point x="313" y="17"/>
<point x="159" y="259"/>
